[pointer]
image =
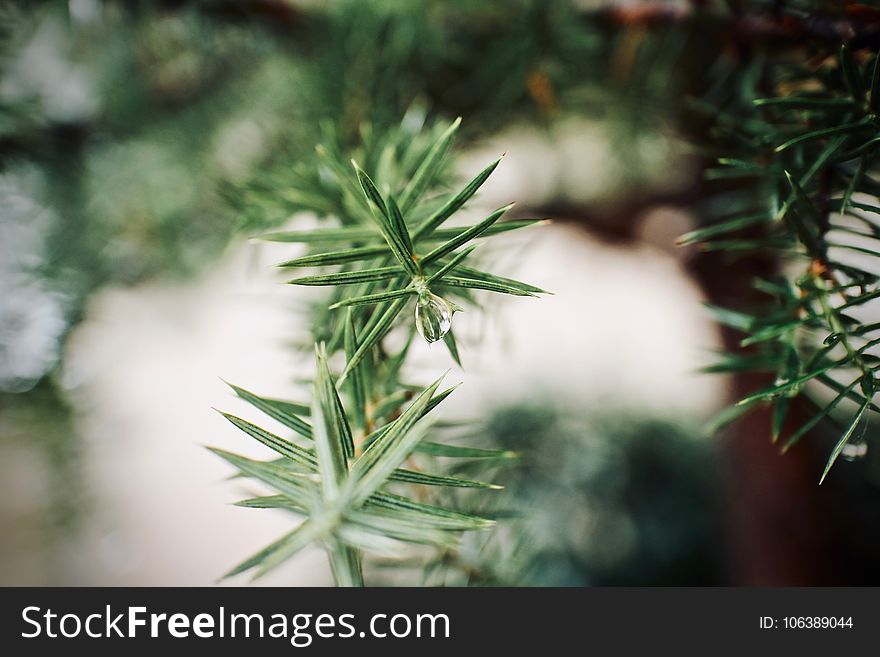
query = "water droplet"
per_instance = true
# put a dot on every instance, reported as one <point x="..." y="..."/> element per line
<point x="857" y="448"/>
<point x="854" y="451"/>
<point x="433" y="317"/>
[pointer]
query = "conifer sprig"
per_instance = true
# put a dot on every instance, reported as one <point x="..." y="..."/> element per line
<point x="808" y="194"/>
<point x="362" y="437"/>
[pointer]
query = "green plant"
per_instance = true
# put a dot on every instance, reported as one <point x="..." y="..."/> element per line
<point x="796" y="184"/>
<point x="363" y="436"/>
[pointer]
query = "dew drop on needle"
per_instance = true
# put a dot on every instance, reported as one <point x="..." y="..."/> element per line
<point x="857" y="448"/>
<point x="433" y="317"/>
<point x="854" y="451"/>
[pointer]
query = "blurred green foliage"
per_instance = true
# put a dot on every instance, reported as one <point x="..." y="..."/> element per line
<point x="639" y="500"/>
<point x="595" y="501"/>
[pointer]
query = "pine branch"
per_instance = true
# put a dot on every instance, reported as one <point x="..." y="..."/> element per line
<point x="365" y="428"/>
<point x="809" y="155"/>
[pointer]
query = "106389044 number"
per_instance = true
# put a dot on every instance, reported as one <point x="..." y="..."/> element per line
<point x="817" y="622"/>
